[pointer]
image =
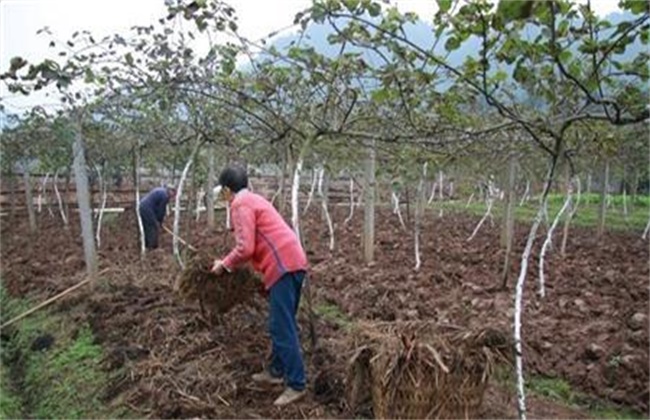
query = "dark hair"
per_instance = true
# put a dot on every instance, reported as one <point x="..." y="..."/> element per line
<point x="234" y="177"/>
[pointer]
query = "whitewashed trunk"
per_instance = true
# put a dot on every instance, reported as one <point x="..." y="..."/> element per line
<point x="295" y="190"/>
<point x="573" y="208"/>
<point x="547" y="243"/>
<point x="526" y="194"/>
<point x="314" y="178"/>
<point x="488" y="212"/>
<point x="369" y="205"/>
<point x="104" y="194"/>
<point x="326" y="213"/>
<point x="136" y="177"/>
<point x="519" y="295"/>
<point x="210" y="189"/>
<point x="177" y="210"/>
<point x="603" y="200"/>
<point x="347" y="220"/>
<point x="396" y="209"/>
<point x="29" y="200"/>
<point x="64" y="217"/>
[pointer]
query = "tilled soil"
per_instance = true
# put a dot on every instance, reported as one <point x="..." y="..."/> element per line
<point x="591" y="328"/>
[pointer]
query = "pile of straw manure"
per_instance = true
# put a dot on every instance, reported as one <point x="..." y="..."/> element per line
<point x="421" y="369"/>
<point x="216" y="294"/>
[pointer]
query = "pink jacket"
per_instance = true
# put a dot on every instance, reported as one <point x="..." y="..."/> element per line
<point x="263" y="238"/>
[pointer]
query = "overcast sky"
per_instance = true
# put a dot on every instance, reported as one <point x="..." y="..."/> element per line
<point x="20" y="19"/>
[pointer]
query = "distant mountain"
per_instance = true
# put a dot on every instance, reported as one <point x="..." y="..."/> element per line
<point x="422" y="34"/>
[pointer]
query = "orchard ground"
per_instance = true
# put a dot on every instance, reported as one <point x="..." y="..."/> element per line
<point x="151" y="355"/>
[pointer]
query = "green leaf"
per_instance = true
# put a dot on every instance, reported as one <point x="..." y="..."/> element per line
<point x="521" y="73"/>
<point x="129" y="59"/>
<point x="380" y="95"/>
<point x="351" y="5"/>
<point x="444" y="5"/>
<point x="515" y="10"/>
<point x="374" y="9"/>
<point x="233" y="26"/>
<point x="452" y="44"/>
<point x="635" y="6"/>
<point x="89" y="76"/>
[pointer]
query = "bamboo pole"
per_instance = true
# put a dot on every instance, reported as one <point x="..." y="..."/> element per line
<point x="49" y="301"/>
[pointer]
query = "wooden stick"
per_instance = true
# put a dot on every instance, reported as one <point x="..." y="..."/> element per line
<point x="180" y="239"/>
<point x="44" y="304"/>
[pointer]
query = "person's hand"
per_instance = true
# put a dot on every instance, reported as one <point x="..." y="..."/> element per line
<point x="217" y="267"/>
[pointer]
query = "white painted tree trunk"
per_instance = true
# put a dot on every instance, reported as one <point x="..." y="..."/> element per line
<point x="314" y="177"/>
<point x="526" y="195"/>
<point x="103" y="189"/>
<point x="396" y="209"/>
<point x="625" y="214"/>
<point x="646" y="230"/>
<point x="136" y="180"/>
<point x="47" y="200"/>
<point x="567" y="221"/>
<point x="177" y="210"/>
<point x="469" y="200"/>
<point x="41" y="194"/>
<point x="547" y="243"/>
<point x="603" y="200"/>
<point x="295" y="190"/>
<point x="210" y="191"/>
<point x="347" y="220"/>
<point x="28" y="199"/>
<point x="432" y="196"/>
<point x="328" y="219"/>
<point x="419" y="207"/>
<point x="64" y="217"/>
<point x="519" y="295"/>
<point x="441" y="186"/>
<point x="369" y="205"/>
<point x="83" y="201"/>
<point x="488" y="212"/>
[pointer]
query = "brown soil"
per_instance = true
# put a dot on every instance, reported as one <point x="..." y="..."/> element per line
<point x="587" y="330"/>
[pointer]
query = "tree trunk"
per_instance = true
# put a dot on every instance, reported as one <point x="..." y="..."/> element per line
<point x="603" y="200"/>
<point x="519" y="295"/>
<point x="136" y="187"/>
<point x="314" y="173"/>
<point x="177" y="210"/>
<point x="83" y="201"/>
<point x="325" y="212"/>
<point x="59" y="200"/>
<point x="103" y="191"/>
<point x="210" y="186"/>
<point x="419" y="207"/>
<point x="29" y="200"/>
<point x="295" y="199"/>
<point x="369" y="206"/>
<point x="507" y="231"/>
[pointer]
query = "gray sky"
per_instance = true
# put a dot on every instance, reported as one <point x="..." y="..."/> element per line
<point x="20" y="19"/>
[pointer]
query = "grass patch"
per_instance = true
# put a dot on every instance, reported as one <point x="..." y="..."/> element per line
<point x="53" y="366"/>
<point x="561" y="392"/>
<point x="333" y="313"/>
<point x="586" y="216"/>
<point x="10" y="403"/>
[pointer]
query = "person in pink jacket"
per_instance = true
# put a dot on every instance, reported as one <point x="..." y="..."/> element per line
<point x="264" y="239"/>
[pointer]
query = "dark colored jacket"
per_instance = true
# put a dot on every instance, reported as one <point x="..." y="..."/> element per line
<point x="156" y="203"/>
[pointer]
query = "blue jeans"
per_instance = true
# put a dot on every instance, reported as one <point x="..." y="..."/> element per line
<point x="286" y="359"/>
